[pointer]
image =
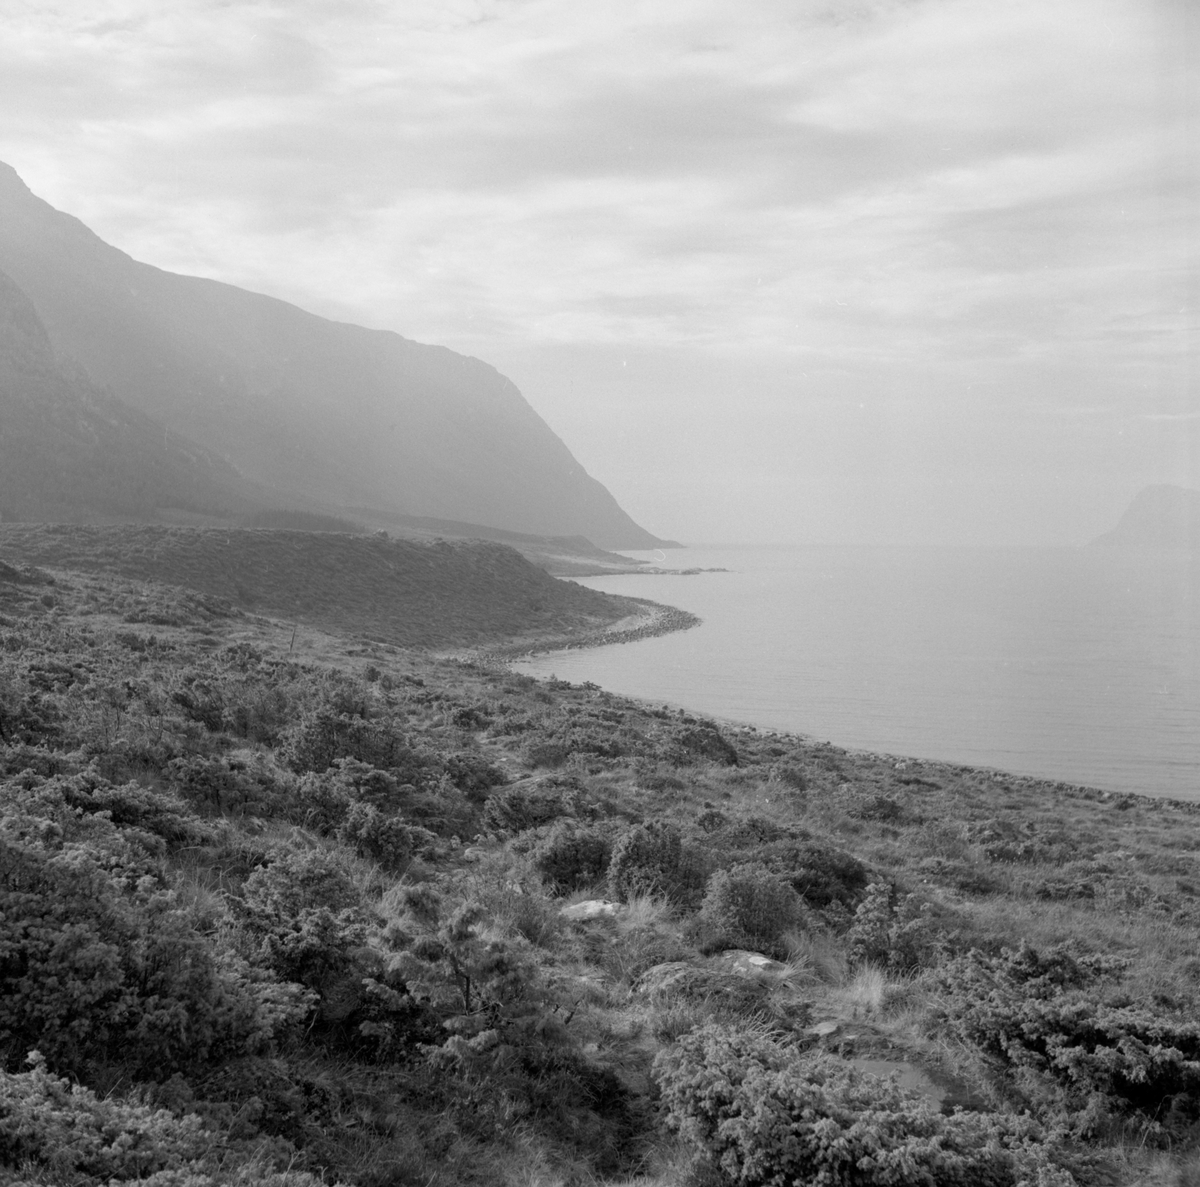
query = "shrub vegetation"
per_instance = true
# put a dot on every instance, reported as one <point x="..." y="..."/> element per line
<point x="302" y="911"/>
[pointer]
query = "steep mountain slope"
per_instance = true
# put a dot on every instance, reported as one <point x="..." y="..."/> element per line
<point x="71" y="451"/>
<point x="320" y="410"/>
<point x="1159" y="517"/>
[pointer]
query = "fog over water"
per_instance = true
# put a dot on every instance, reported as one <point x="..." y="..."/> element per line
<point x="1072" y="664"/>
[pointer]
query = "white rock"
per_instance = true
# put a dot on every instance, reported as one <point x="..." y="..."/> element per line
<point x="754" y="964"/>
<point x="592" y="909"/>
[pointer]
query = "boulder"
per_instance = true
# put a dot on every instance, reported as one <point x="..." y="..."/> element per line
<point x="592" y="909"/>
<point x="754" y="965"/>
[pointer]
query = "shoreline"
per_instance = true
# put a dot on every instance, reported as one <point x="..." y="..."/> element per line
<point x="662" y="623"/>
<point x="650" y="620"/>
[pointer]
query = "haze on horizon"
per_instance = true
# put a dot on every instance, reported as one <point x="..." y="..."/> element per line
<point x="871" y="270"/>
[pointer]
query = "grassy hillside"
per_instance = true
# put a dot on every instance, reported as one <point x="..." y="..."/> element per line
<point x="412" y="593"/>
<point x="320" y="914"/>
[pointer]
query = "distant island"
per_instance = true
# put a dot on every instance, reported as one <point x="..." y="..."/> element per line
<point x="1160" y="517"/>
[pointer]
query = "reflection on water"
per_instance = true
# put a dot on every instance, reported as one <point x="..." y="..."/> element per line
<point x="1069" y="664"/>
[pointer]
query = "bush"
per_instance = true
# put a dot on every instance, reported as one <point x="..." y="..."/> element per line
<point x="46" y="1125"/>
<point x="306" y="914"/>
<point x="895" y="932"/>
<point x="519" y="808"/>
<point x="473" y="775"/>
<point x="90" y="969"/>
<point x="762" y="1113"/>
<point x="1043" y="1014"/>
<point x="55" y="1132"/>
<point x="820" y="874"/>
<point x="545" y="753"/>
<point x="132" y="805"/>
<point x="323" y="736"/>
<point x="647" y="859"/>
<point x="702" y="742"/>
<point x="748" y="906"/>
<point x="571" y="857"/>
<point x="383" y="838"/>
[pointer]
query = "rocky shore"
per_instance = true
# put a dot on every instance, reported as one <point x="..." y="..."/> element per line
<point x="651" y="619"/>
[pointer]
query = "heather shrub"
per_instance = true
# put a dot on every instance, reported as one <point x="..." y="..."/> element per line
<point x="216" y="785"/>
<point x="545" y="752"/>
<point x="198" y="700"/>
<point x="89" y="967"/>
<point x="473" y="775"/>
<point x="646" y="859"/>
<point x="790" y="775"/>
<point x="760" y="1112"/>
<point x="293" y="881"/>
<point x="20" y="757"/>
<point x="651" y="859"/>
<point x="701" y="741"/>
<point x="322" y="736"/>
<point x="749" y="906"/>
<point x="54" y="1132"/>
<point x="892" y="930"/>
<point x="49" y="1127"/>
<point x="1044" y="1017"/>
<point x="506" y="1053"/>
<point x="571" y="857"/>
<point x="320" y="803"/>
<point x="306" y="916"/>
<point x="820" y="874"/>
<point x="383" y="838"/>
<point x="131" y="805"/>
<point x="520" y="807"/>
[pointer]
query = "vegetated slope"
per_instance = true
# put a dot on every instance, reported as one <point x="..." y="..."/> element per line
<point x="411" y="593"/>
<point x="1159" y="517"/>
<point x="326" y="412"/>
<point x="71" y="451"/>
<point x="244" y="942"/>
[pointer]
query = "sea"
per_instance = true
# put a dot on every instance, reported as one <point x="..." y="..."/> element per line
<point x="1072" y="664"/>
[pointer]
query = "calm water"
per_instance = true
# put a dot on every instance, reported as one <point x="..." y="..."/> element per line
<point x="1068" y="664"/>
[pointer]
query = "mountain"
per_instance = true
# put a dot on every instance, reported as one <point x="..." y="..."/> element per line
<point x="69" y="450"/>
<point x="1159" y="517"/>
<point x="325" y="413"/>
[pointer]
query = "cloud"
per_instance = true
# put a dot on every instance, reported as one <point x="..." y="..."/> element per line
<point x="913" y="195"/>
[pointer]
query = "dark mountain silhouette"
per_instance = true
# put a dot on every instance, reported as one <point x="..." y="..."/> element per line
<point x="69" y="450"/>
<point x="329" y="415"/>
<point x="1159" y="517"/>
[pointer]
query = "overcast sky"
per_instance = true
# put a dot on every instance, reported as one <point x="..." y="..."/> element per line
<point x="896" y="270"/>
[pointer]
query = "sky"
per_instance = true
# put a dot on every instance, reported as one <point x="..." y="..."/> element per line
<point x="869" y="271"/>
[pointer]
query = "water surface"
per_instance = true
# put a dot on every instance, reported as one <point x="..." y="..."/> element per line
<point x="1070" y="664"/>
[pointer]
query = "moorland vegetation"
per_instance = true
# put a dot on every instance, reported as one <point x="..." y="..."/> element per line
<point x="315" y="909"/>
<point x="416" y="593"/>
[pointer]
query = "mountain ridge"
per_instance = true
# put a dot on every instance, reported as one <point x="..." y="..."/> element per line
<point x="326" y="411"/>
